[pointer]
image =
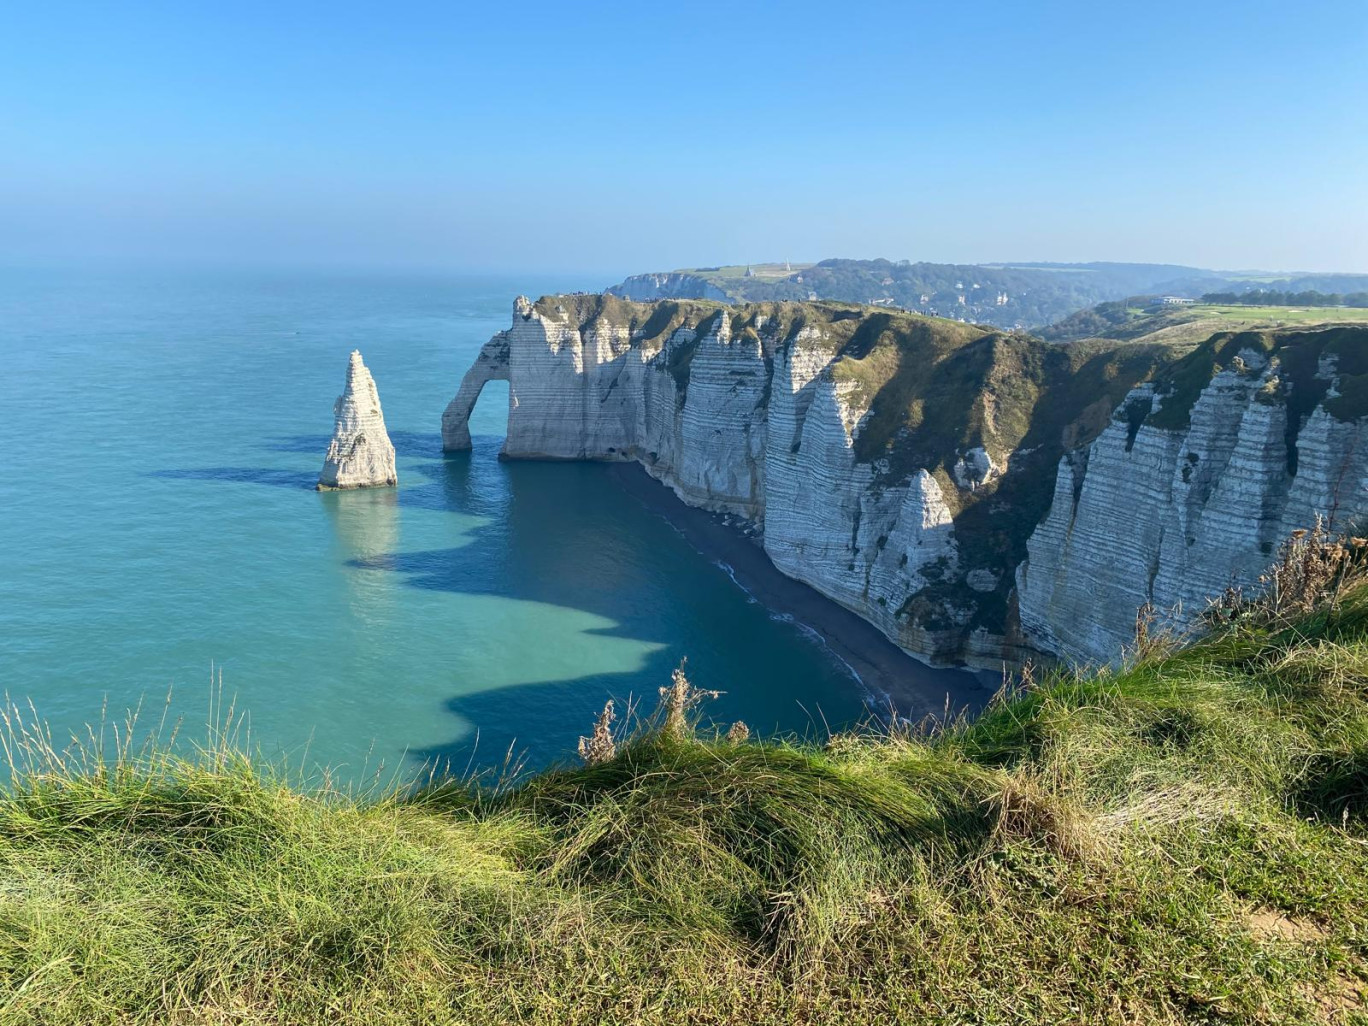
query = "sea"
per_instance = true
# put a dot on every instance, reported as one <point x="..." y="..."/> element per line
<point x="163" y="552"/>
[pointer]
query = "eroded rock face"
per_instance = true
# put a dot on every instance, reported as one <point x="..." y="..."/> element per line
<point x="765" y="412"/>
<point x="1171" y="513"/>
<point x="360" y="454"/>
<point x="964" y="490"/>
<point x="670" y="285"/>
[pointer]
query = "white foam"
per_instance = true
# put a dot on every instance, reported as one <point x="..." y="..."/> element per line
<point x="727" y="569"/>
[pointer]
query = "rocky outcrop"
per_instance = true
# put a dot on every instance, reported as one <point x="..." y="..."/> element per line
<point x="360" y="454"/>
<point x="1197" y="479"/>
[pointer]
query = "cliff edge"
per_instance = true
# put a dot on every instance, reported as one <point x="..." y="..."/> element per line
<point x="976" y="495"/>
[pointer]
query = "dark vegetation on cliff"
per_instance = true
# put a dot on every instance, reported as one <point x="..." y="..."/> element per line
<point x="1181" y="840"/>
<point x="1297" y="355"/>
<point x="938" y="389"/>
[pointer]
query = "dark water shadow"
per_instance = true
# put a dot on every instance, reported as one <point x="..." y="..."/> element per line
<point x="539" y="537"/>
<point x="521" y="546"/>
<point x="249" y="475"/>
<point x="406" y="444"/>
<point x="545" y="543"/>
<point x="566" y="709"/>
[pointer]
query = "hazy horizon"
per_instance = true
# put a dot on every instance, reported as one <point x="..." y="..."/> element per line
<point x="628" y="140"/>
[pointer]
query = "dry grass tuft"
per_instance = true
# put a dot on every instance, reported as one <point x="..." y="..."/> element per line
<point x="1313" y="569"/>
<point x="1027" y="809"/>
<point x="678" y="701"/>
<point x="600" y="746"/>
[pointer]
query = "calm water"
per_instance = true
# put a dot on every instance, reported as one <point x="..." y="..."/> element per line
<point x="162" y="436"/>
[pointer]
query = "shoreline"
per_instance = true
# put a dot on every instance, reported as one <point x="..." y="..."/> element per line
<point x="888" y="676"/>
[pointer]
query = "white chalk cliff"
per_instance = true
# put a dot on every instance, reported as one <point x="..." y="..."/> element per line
<point x="899" y="464"/>
<point x="360" y="454"/>
<point x="667" y="285"/>
<point x="1171" y="506"/>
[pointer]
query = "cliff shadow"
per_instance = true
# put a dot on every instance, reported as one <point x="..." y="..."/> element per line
<point x="568" y="536"/>
<point x="407" y="445"/>
<point x="504" y="733"/>
<point x="249" y="475"/>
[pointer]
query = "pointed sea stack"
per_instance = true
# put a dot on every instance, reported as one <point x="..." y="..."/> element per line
<point x="360" y="454"/>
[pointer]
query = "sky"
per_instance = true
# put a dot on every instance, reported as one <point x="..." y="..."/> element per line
<point x="616" y="138"/>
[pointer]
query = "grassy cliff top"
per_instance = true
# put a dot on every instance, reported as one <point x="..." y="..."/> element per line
<point x="1191" y="323"/>
<point x="1185" y="840"/>
<point x="1297" y="354"/>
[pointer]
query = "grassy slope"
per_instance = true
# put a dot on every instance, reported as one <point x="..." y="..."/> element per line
<point x="1191" y="324"/>
<point x="1182" y="841"/>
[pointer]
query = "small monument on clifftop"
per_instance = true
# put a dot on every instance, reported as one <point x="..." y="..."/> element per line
<point x="360" y="454"/>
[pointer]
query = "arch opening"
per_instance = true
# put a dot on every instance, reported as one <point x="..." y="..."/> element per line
<point x="490" y="365"/>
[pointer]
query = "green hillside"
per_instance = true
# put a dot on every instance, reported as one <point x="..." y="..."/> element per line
<point x="1190" y="323"/>
<point x="1184" y="840"/>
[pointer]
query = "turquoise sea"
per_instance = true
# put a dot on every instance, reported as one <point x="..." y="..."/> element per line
<point x="162" y="435"/>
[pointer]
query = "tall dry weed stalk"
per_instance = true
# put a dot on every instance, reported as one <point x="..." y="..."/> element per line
<point x="678" y="699"/>
<point x="1154" y="636"/>
<point x="1312" y="568"/>
<point x="1014" y="682"/>
<point x="600" y="746"/>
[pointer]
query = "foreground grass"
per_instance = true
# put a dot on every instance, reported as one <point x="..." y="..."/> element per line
<point x="1182" y="841"/>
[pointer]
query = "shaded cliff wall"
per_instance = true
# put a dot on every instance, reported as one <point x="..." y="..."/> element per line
<point x="1197" y="479"/>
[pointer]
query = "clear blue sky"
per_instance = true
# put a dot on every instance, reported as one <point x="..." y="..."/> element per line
<point x="639" y="136"/>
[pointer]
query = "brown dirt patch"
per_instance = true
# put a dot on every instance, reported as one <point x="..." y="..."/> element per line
<point x="1266" y="925"/>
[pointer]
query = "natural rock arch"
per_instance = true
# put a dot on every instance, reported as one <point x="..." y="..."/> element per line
<point x="490" y="365"/>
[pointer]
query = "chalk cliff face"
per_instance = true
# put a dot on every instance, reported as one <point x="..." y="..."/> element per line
<point x="975" y="495"/>
<point x="866" y="447"/>
<point x="668" y="285"/>
<point x="360" y="454"/>
<point x="1194" y="483"/>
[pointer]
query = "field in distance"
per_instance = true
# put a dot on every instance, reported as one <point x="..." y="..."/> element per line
<point x="1191" y="322"/>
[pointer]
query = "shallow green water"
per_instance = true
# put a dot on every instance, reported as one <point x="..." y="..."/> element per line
<point x="162" y="437"/>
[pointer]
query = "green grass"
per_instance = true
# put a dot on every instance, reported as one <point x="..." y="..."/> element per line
<point x="1296" y="315"/>
<point x="1298" y="354"/>
<point x="1184" y="840"/>
<point x="1193" y="323"/>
